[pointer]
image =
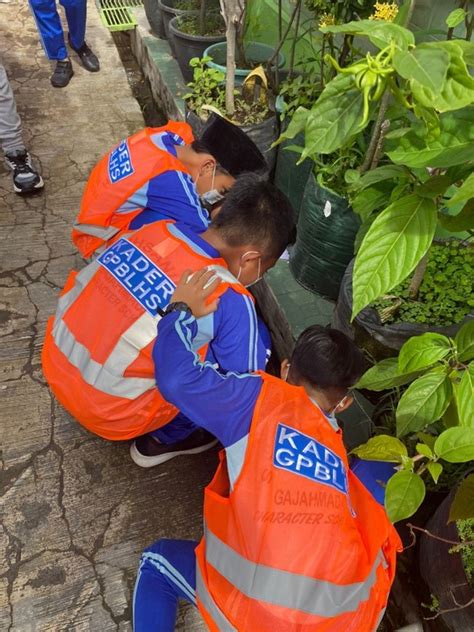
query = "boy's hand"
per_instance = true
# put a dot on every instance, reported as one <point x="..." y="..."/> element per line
<point x="195" y="289"/>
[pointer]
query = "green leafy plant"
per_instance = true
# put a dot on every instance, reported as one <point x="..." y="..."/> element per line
<point x="427" y="154"/>
<point x="466" y="549"/>
<point x="212" y="24"/>
<point x="206" y="87"/>
<point x="207" y="93"/>
<point x="446" y="293"/>
<point x="434" y="415"/>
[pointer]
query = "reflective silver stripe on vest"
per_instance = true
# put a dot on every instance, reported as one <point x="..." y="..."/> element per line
<point x="94" y="373"/>
<point x="107" y="377"/>
<point x="285" y="589"/>
<point x="235" y="454"/>
<point x="209" y="604"/>
<point x="102" y="232"/>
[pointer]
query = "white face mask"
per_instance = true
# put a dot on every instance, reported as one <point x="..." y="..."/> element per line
<point x="212" y="197"/>
<point x="259" y="276"/>
<point x="332" y="414"/>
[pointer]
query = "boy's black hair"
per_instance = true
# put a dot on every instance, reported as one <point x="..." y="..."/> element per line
<point x="326" y="359"/>
<point x="201" y="148"/>
<point x="256" y="212"/>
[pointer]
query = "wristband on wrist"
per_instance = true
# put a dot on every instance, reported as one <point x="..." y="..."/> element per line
<point x="179" y="306"/>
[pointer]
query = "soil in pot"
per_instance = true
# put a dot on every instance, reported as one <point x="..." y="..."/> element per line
<point x="447" y="293"/>
<point x="185" y="31"/>
<point x="172" y="8"/>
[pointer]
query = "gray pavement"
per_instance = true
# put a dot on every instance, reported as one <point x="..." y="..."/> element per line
<point x="76" y="512"/>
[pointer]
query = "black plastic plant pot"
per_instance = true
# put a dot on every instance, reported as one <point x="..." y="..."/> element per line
<point x="327" y="227"/>
<point x="291" y="178"/>
<point x="187" y="46"/>
<point x="168" y="12"/>
<point x="368" y="330"/>
<point x="155" y="17"/>
<point x="263" y="134"/>
<point x="443" y="571"/>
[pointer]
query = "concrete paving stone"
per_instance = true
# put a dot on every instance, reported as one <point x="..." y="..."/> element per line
<point x="76" y="511"/>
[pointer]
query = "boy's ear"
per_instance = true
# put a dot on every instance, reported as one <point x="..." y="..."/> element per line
<point x="284" y="369"/>
<point x="344" y="405"/>
<point x="207" y="164"/>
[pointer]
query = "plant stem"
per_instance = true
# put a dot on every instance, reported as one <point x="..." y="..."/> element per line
<point x="230" y="35"/>
<point x="285" y="34"/>
<point x="346" y="47"/>
<point x="293" y="44"/>
<point x="374" y="139"/>
<point x="323" y="50"/>
<point x="379" y="149"/>
<point x="202" y="13"/>
<point x="417" y="278"/>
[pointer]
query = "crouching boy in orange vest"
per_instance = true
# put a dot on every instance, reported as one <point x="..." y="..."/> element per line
<point x="162" y="173"/>
<point x="98" y="350"/>
<point x="292" y="539"/>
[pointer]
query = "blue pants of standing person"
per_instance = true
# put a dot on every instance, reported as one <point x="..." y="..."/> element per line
<point x="49" y="25"/>
<point x="167" y="573"/>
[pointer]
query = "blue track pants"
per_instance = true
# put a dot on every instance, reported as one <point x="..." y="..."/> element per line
<point x="49" y="25"/>
<point x="167" y="572"/>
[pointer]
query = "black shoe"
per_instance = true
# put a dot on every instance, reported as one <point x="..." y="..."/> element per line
<point x="87" y="58"/>
<point x="25" y="178"/>
<point x="62" y="74"/>
<point x="146" y="451"/>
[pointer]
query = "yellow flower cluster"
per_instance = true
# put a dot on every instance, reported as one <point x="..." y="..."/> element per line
<point x="327" y="19"/>
<point x="386" y="11"/>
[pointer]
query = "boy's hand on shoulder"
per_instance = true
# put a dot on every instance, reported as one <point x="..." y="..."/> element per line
<point x="195" y="290"/>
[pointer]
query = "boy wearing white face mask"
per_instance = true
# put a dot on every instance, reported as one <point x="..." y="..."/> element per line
<point x="162" y="173"/>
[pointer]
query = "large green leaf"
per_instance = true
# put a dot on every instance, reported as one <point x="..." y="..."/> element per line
<point x="457" y="90"/>
<point x="465" y="341"/>
<point x="371" y="198"/>
<point x="453" y="146"/>
<point x="379" y="33"/>
<point x="393" y="245"/>
<point x="424" y="402"/>
<point x="464" y="394"/>
<point x="422" y="351"/>
<point x="404" y="493"/>
<point x="456" y="445"/>
<point x="424" y="65"/>
<point x="386" y="172"/>
<point x="382" y="448"/>
<point x="335" y="118"/>
<point x="464" y="220"/>
<point x="296" y="125"/>
<point x="462" y="507"/>
<point x="467" y="51"/>
<point x="465" y="192"/>
<point x="383" y="375"/>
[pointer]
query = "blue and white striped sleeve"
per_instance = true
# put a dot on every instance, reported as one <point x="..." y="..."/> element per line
<point x="236" y="343"/>
<point x="223" y="404"/>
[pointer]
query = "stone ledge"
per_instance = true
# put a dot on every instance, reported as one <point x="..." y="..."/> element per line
<point x="159" y="67"/>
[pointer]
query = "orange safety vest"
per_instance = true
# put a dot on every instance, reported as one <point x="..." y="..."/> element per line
<point x="292" y="540"/>
<point x="97" y="354"/>
<point x="118" y="175"/>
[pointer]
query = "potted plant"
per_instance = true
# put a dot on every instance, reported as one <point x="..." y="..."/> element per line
<point x="154" y="17"/>
<point x="252" y="105"/>
<point x="422" y="160"/>
<point x="172" y="8"/>
<point x="192" y="34"/>
<point x="434" y="414"/>
<point x="446" y="559"/>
